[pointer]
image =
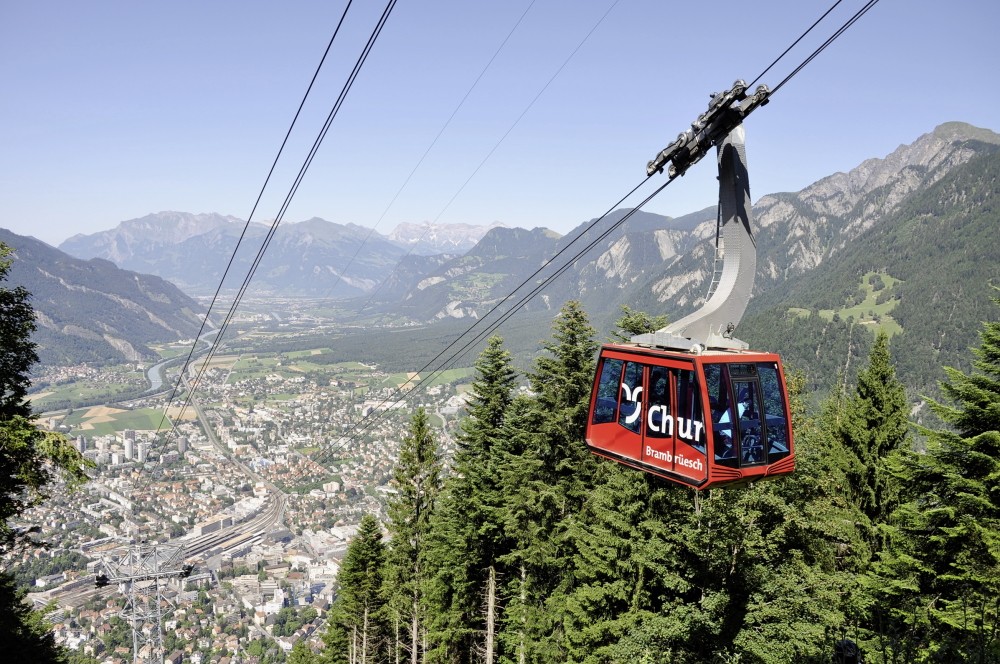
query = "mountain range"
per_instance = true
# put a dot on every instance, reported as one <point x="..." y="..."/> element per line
<point x="922" y="221"/>
<point x="663" y="265"/>
<point x="314" y="258"/>
<point x="814" y="248"/>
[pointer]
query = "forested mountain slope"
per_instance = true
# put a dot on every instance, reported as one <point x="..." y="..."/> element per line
<point x="935" y="255"/>
<point x="92" y="311"/>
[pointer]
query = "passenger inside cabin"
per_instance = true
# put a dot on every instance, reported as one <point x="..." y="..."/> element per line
<point x="722" y="428"/>
<point x="751" y="442"/>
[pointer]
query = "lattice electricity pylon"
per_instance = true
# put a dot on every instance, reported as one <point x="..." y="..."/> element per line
<point x="140" y="573"/>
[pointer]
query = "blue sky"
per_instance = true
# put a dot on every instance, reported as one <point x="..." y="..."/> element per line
<point x="113" y="110"/>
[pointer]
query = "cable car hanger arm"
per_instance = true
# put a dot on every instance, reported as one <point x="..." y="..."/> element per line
<point x="720" y="126"/>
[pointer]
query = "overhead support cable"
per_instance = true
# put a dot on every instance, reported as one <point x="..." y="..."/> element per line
<point x="420" y="161"/>
<point x="505" y="135"/>
<point x="246" y="226"/>
<point x="291" y="194"/>
<point x="764" y="96"/>
<point x="232" y="257"/>
<point x="854" y="19"/>
<point x="794" y="44"/>
<point x="260" y="253"/>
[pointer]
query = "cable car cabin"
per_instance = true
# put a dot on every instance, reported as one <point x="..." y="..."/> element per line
<point x="706" y="420"/>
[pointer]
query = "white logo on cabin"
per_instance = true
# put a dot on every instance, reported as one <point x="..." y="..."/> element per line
<point x="659" y="419"/>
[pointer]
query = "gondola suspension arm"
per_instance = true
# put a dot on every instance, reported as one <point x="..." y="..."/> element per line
<point x="720" y="126"/>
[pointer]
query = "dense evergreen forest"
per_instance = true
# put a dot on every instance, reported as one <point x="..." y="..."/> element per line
<point x="528" y="549"/>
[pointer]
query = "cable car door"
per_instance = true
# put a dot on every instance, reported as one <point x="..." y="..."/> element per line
<point x="675" y="438"/>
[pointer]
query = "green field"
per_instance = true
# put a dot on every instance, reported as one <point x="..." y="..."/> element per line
<point x="307" y="353"/>
<point x="83" y="390"/>
<point x="868" y="313"/>
<point x="442" y="378"/>
<point x="143" y="419"/>
<point x="169" y="351"/>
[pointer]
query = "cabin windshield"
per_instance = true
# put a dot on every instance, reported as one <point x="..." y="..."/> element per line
<point x="749" y="396"/>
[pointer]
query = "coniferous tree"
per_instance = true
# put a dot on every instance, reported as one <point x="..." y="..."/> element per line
<point x="301" y="654"/>
<point x="355" y="630"/>
<point x="634" y="594"/>
<point x="937" y="587"/>
<point x="527" y="499"/>
<point x="561" y="380"/>
<point x="634" y="322"/>
<point x="29" y="460"/>
<point x="467" y="536"/>
<point x="802" y="553"/>
<point x="875" y="425"/>
<point x="631" y="556"/>
<point x="417" y="482"/>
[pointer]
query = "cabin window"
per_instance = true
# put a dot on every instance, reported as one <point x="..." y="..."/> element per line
<point x="631" y="397"/>
<point x="717" y="382"/>
<point x="749" y="413"/>
<point x="690" y="419"/>
<point x="606" y="403"/>
<point x="659" y="421"/>
<point x="775" y="420"/>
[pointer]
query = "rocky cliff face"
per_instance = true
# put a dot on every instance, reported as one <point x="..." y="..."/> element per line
<point x="665" y="265"/>
<point x="797" y="232"/>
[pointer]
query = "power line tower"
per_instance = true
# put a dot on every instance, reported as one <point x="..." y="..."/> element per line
<point x="140" y="573"/>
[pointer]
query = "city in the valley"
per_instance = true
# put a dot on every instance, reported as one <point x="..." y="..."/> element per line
<point x="259" y="479"/>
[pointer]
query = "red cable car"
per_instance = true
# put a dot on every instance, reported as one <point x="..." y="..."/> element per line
<point x="690" y="403"/>
<point x="703" y="420"/>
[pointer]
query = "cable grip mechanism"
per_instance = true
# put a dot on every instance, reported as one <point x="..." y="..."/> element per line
<point x="725" y="112"/>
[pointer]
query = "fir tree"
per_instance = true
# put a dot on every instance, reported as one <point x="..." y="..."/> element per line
<point x="527" y="498"/>
<point x="301" y="654"/>
<point x="634" y="595"/>
<point x="30" y="460"/>
<point x="561" y="380"/>
<point x="467" y="529"/>
<point x="634" y="322"/>
<point x="938" y="585"/>
<point x="873" y="427"/>
<point x="355" y="626"/>
<point x="417" y="482"/>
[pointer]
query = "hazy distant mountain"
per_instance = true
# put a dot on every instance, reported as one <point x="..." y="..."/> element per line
<point x="466" y="285"/>
<point x="427" y="239"/>
<point x="315" y="257"/>
<point x="132" y="242"/>
<point x="471" y="284"/>
<point x="92" y="311"/>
